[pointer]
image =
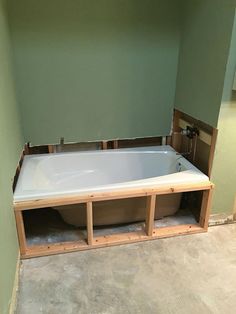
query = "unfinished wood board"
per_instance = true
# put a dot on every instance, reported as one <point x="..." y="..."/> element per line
<point x="21" y="232"/>
<point x="89" y="208"/>
<point x="111" y="240"/>
<point x="102" y="196"/>
<point x="150" y="213"/>
<point x="205" y="208"/>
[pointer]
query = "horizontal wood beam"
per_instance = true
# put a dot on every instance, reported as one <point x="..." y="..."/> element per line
<point x="111" y="240"/>
<point x="103" y="196"/>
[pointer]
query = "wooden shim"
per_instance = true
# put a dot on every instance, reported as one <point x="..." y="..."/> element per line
<point x="205" y="209"/>
<point x="89" y="208"/>
<point x="21" y="232"/>
<point x="118" y="194"/>
<point x="111" y="240"/>
<point x="150" y="213"/>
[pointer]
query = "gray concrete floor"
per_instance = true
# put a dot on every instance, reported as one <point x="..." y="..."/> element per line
<point x="187" y="274"/>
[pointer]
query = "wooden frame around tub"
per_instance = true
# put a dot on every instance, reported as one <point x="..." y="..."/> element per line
<point x="148" y="233"/>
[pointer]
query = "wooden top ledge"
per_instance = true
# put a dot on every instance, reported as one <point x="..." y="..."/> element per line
<point x="112" y="195"/>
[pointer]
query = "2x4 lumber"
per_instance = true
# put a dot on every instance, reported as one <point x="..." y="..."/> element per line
<point x="150" y="213"/>
<point x="54" y="248"/>
<point x="205" y="208"/>
<point x="172" y="231"/>
<point x="118" y="194"/>
<point x="21" y="232"/>
<point x="89" y="208"/>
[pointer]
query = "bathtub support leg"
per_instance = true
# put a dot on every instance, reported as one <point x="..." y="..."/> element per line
<point x="89" y="208"/>
<point x="205" y="208"/>
<point x="150" y="213"/>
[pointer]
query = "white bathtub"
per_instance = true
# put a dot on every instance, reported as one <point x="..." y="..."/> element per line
<point x="49" y="175"/>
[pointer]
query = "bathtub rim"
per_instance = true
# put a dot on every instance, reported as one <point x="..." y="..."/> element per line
<point x="191" y="175"/>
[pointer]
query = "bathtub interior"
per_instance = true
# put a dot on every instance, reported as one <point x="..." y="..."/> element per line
<point x="49" y="175"/>
<point x="47" y="226"/>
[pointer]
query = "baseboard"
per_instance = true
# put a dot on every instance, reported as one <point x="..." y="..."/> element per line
<point x="12" y="307"/>
<point x="221" y="219"/>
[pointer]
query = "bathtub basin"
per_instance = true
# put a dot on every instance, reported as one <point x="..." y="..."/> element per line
<point x="49" y="175"/>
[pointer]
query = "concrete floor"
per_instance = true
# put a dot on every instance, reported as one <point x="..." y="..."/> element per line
<point x="187" y="274"/>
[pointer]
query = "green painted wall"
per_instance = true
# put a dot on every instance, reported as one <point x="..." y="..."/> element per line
<point x="11" y="144"/>
<point x="96" y="69"/>
<point x="90" y="70"/>
<point x="206" y="34"/>
<point x="224" y="167"/>
<point x="205" y="73"/>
